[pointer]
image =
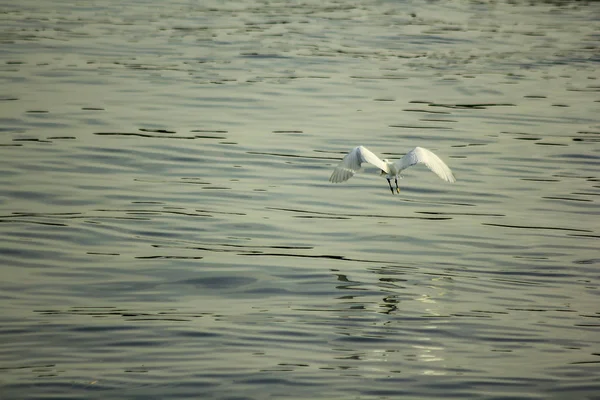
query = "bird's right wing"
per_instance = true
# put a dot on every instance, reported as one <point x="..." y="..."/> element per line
<point x="352" y="163"/>
<point x="420" y="155"/>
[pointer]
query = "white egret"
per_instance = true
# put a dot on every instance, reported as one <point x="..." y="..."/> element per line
<point x="353" y="160"/>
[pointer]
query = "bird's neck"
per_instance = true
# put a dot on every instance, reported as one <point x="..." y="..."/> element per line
<point x="391" y="166"/>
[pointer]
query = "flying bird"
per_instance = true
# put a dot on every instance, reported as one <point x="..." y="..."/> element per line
<point x="419" y="155"/>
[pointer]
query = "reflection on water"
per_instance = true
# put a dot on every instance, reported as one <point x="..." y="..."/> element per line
<point x="168" y="227"/>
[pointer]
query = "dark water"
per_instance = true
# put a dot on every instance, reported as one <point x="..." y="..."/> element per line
<point x="168" y="230"/>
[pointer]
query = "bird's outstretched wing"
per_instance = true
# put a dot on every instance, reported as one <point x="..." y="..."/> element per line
<point x="352" y="162"/>
<point x="419" y="155"/>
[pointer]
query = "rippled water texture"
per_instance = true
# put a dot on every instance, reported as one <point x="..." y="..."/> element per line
<point x="169" y="231"/>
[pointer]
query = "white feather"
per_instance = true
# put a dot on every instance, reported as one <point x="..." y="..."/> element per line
<point x="352" y="162"/>
<point x="419" y="155"/>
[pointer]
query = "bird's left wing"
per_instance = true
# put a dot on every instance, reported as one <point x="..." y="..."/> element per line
<point x="352" y="163"/>
<point x="419" y="155"/>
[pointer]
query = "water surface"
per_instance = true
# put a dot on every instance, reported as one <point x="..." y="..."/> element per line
<point x="168" y="229"/>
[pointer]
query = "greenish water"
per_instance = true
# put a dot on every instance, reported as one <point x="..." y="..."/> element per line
<point x="168" y="228"/>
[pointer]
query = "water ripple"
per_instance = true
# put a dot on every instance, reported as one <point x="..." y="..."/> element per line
<point x="169" y="229"/>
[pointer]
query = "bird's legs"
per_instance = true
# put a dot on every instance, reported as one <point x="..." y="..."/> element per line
<point x="397" y="188"/>
<point x="390" y="183"/>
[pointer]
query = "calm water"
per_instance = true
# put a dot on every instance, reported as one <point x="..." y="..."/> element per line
<point x="168" y="230"/>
